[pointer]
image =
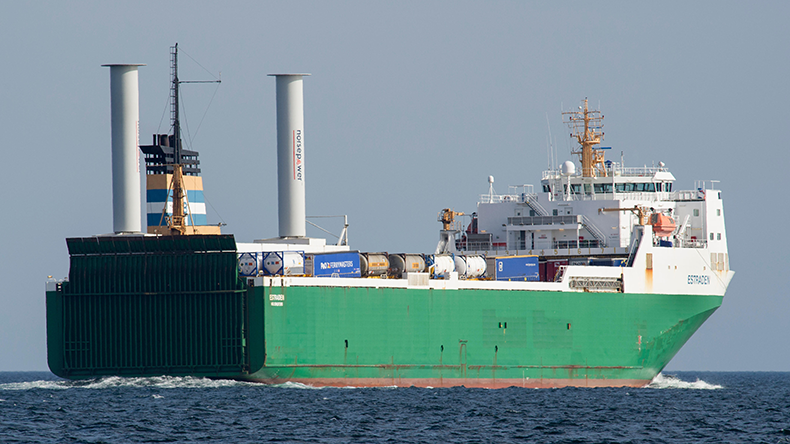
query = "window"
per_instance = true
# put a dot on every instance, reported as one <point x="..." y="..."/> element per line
<point x="650" y="187"/>
<point x="718" y="236"/>
<point x="576" y="188"/>
<point x="718" y="212"/>
<point x="598" y="187"/>
<point x="546" y="188"/>
<point x="619" y="187"/>
<point x="555" y="213"/>
<point x="711" y="236"/>
<point x="696" y="212"/>
<point x="531" y="212"/>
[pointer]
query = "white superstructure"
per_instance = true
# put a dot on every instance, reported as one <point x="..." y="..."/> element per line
<point x="631" y="219"/>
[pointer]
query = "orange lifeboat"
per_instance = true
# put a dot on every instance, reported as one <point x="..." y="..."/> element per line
<point x="662" y="225"/>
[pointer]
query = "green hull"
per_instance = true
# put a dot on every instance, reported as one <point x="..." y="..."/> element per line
<point x="176" y="306"/>
<point x="352" y="336"/>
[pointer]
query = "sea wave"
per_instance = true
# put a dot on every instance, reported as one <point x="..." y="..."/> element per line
<point x="662" y="381"/>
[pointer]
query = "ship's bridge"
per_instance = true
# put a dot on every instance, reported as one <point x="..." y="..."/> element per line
<point x="618" y="183"/>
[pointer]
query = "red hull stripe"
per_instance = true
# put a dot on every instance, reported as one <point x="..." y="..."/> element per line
<point x="457" y="382"/>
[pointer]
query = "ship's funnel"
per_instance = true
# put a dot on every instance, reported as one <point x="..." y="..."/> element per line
<point x="290" y="155"/>
<point x="125" y="117"/>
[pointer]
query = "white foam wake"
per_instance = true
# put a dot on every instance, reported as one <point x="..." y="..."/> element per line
<point x="165" y="382"/>
<point x="662" y="381"/>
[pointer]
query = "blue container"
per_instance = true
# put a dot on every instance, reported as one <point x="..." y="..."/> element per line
<point x="608" y="262"/>
<point x="516" y="268"/>
<point x="335" y="265"/>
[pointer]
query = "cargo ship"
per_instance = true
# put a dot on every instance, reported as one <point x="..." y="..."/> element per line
<point x="597" y="278"/>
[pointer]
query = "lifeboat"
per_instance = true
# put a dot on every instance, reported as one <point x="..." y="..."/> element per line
<point x="662" y="225"/>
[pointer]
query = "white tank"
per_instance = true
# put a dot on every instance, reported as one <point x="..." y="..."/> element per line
<point x="470" y="267"/>
<point x="285" y="263"/>
<point x="373" y="264"/>
<point x="443" y="265"/>
<point x="460" y="265"/>
<point x="475" y="266"/>
<point x="250" y="264"/>
<point x="568" y="168"/>
<point x="405" y="263"/>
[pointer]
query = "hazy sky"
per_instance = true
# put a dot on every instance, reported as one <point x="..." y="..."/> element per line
<point x="410" y="107"/>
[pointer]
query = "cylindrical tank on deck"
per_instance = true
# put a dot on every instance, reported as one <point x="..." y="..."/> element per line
<point x="283" y="263"/>
<point x="373" y="264"/>
<point x="405" y="263"/>
<point x="470" y="267"/>
<point x="443" y="265"/>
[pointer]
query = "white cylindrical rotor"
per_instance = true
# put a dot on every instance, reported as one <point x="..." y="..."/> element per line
<point x="125" y="118"/>
<point x="290" y="155"/>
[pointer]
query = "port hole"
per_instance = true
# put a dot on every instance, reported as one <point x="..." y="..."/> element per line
<point x="569" y="326"/>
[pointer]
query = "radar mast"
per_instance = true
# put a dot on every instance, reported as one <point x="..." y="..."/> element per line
<point x="587" y="127"/>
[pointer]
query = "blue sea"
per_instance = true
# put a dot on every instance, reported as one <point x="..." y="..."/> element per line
<point x="685" y="407"/>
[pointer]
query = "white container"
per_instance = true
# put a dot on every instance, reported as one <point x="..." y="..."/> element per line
<point x="250" y="264"/>
<point x="373" y="264"/>
<point x="400" y="264"/>
<point x="283" y="263"/>
<point x="470" y="267"/>
<point x="443" y="265"/>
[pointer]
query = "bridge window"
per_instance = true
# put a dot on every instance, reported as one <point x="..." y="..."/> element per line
<point x="619" y="187"/>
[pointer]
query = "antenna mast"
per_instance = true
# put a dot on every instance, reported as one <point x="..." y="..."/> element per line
<point x="176" y="222"/>
<point x="587" y="127"/>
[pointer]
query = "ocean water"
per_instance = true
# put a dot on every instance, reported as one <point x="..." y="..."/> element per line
<point x="683" y="407"/>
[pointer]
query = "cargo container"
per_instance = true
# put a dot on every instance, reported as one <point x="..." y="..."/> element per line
<point x="443" y="265"/>
<point x="249" y="264"/>
<point x="470" y="267"/>
<point x="607" y="262"/>
<point x="513" y="268"/>
<point x="373" y="264"/>
<point x="282" y="263"/>
<point x="552" y="268"/>
<point x="333" y="265"/>
<point x="405" y="263"/>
